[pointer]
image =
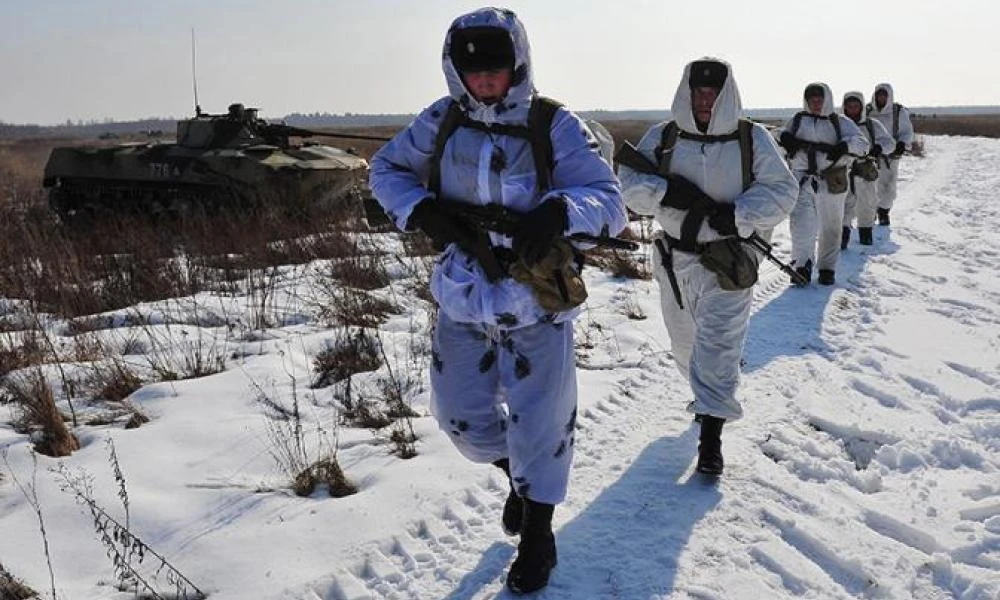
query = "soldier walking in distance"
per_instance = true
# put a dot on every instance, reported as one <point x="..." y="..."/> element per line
<point x="862" y="193"/>
<point x="720" y="178"/>
<point x="896" y="119"/>
<point x="503" y="373"/>
<point x="818" y="142"/>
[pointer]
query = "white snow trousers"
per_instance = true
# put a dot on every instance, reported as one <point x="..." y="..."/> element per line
<point x="887" y="183"/>
<point x="707" y="334"/>
<point x="817" y="214"/>
<point x="502" y="393"/>
<point x="861" y="200"/>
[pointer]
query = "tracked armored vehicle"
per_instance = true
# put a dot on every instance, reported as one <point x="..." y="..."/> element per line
<point x="232" y="161"/>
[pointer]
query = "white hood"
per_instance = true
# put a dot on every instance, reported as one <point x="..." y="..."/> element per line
<point x="860" y="98"/>
<point x="522" y="86"/>
<point x="888" y="101"/>
<point x="827" y="99"/>
<point x="725" y="113"/>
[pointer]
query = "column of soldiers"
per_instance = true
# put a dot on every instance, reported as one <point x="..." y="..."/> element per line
<point x="847" y="165"/>
<point x="503" y="375"/>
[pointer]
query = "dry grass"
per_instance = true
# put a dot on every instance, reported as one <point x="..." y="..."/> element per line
<point x="32" y="397"/>
<point x="12" y="589"/>
<point x="21" y="351"/>
<point x="349" y="354"/>
<point x="328" y="472"/>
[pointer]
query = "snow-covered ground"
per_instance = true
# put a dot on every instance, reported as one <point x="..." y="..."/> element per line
<point x="868" y="464"/>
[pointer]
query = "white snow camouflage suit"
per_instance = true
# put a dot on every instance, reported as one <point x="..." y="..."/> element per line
<point x="818" y="213"/>
<point x="888" y="175"/>
<point x="862" y="195"/>
<point x="503" y="378"/>
<point x="707" y="334"/>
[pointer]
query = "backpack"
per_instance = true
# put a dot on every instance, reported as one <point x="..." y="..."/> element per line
<point x="537" y="132"/>
<point x="743" y="133"/>
<point x="797" y="122"/>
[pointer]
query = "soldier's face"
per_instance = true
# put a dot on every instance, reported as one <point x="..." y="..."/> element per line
<point x="815" y="104"/>
<point x="881" y="97"/>
<point x="852" y="108"/>
<point x="702" y="102"/>
<point x="488" y="87"/>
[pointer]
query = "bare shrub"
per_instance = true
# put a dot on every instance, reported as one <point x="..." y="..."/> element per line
<point x="305" y="465"/>
<point x="619" y="263"/>
<point x="349" y="354"/>
<point x="38" y="414"/>
<point x="358" y="308"/>
<point x="21" y="351"/>
<point x="113" y="380"/>
<point x="362" y="271"/>
<point x="137" y="566"/>
<point x="189" y="357"/>
<point x="326" y="471"/>
<point x="13" y="589"/>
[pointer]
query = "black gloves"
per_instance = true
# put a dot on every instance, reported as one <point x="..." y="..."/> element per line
<point x="876" y="151"/>
<point x="539" y="229"/>
<point x="723" y="219"/>
<point x="681" y="193"/>
<point x="441" y="228"/>
<point x="900" y="149"/>
<point x="789" y="141"/>
<point x="839" y="150"/>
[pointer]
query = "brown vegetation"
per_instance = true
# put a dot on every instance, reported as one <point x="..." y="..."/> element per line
<point x="12" y="589"/>
<point x="38" y="414"/>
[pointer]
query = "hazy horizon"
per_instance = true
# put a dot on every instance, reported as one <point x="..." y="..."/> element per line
<point x="127" y="61"/>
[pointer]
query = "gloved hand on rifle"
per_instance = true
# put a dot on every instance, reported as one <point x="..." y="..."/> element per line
<point x="839" y="150"/>
<point x="442" y="228"/>
<point x="876" y="151"/>
<point x="900" y="149"/>
<point x="789" y="142"/>
<point x="723" y="219"/>
<point x="539" y="229"/>
<point x="681" y="192"/>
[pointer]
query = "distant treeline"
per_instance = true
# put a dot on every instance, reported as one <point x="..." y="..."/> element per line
<point x="166" y="127"/>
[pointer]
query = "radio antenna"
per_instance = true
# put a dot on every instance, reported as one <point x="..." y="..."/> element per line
<point x="194" y="77"/>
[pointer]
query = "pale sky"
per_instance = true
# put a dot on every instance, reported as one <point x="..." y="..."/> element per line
<point x="127" y="59"/>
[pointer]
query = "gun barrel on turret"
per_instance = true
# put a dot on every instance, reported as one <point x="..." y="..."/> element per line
<point x="288" y="130"/>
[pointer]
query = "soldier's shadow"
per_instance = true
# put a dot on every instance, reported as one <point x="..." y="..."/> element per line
<point x="627" y="541"/>
<point x="792" y="323"/>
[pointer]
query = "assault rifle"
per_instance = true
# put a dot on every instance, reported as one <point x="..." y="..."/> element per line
<point x="629" y="156"/>
<point x="493" y="217"/>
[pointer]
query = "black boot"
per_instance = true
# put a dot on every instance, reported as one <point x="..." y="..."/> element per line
<point x="826" y="277"/>
<point x="710" y="446"/>
<point x="806" y="272"/>
<point x="536" y="554"/>
<point x="513" y="507"/>
<point x="883" y="216"/>
<point x="865" y="236"/>
<point x="845" y="236"/>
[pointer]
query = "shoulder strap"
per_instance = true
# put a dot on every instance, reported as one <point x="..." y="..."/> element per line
<point x="871" y="130"/>
<point x="745" y="132"/>
<point x="797" y="122"/>
<point x="537" y="132"/>
<point x="452" y="120"/>
<point x="895" y="120"/>
<point x="540" y="115"/>
<point x="835" y="120"/>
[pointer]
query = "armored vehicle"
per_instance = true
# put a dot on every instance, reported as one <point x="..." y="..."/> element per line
<point x="232" y="161"/>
